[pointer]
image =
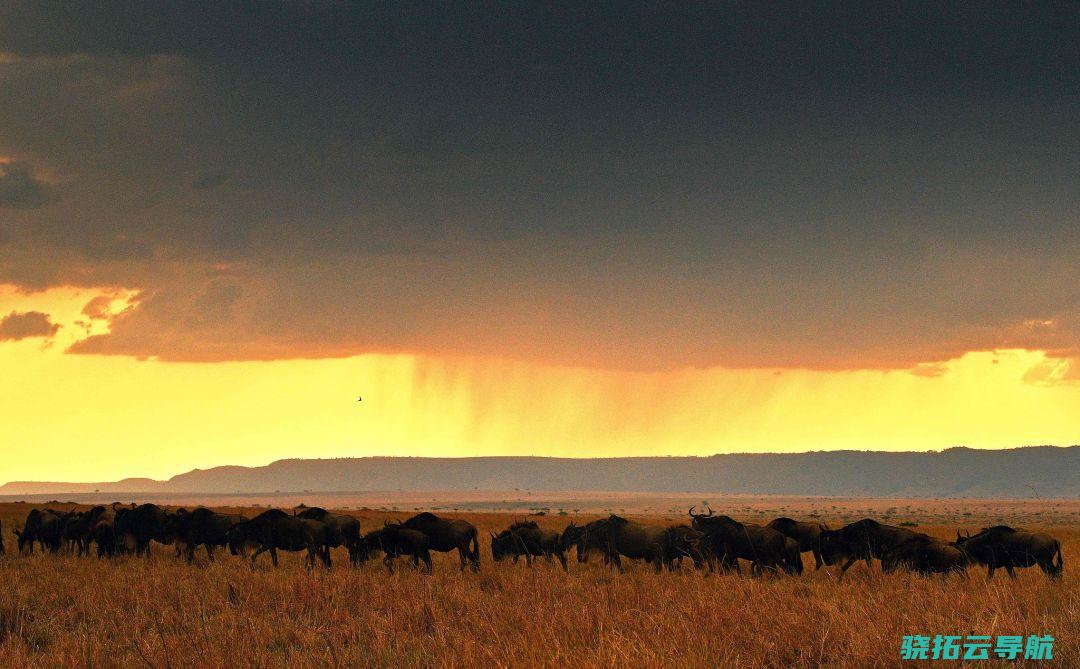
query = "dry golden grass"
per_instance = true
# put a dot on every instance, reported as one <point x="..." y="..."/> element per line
<point x="67" y="611"/>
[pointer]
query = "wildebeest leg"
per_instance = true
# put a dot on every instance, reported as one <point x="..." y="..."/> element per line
<point x="256" y="554"/>
<point x="616" y="562"/>
<point x="189" y="552"/>
<point x="844" y="567"/>
<point x="990" y="571"/>
<point x="388" y="561"/>
<point x="426" y="557"/>
<point x="210" y="552"/>
<point x="817" y="560"/>
<point x="562" y="560"/>
<point x="462" y="556"/>
<point x="1009" y="569"/>
<point x="273" y="556"/>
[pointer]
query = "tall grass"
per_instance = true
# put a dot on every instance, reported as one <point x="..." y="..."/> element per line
<point x="68" y="611"/>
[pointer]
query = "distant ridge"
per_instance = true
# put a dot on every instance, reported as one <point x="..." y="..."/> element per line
<point x="1048" y="471"/>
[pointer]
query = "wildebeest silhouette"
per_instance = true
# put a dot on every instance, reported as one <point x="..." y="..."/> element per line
<point x="808" y="535"/>
<point x="729" y="540"/>
<point x="924" y="554"/>
<point x="395" y="540"/>
<point x="274" y="530"/>
<point x="445" y="535"/>
<point x="527" y="539"/>
<point x="344" y="531"/>
<point x="140" y="525"/>
<point x="864" y="539"/>
<point x="586" y="539"/>
<point x="44" y="526"/>
<point x="1003" y="546"/>
<point x="637" y="541"/>
<point x="201" y="527"/>
<point x="684" y="541"/>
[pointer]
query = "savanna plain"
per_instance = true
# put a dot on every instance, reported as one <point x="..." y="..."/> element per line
<point x="160" y="612"/>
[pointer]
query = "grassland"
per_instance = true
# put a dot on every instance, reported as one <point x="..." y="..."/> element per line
<point x="68" y="611"/>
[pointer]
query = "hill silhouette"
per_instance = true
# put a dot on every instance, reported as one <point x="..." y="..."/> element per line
<point x="1048" y="471"/>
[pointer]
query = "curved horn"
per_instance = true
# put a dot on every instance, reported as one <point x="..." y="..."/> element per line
<point x="691" y="511"/>
<point x="709" y="509"/>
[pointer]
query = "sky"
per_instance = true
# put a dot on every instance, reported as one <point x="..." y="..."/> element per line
<point x="533" y="228"/>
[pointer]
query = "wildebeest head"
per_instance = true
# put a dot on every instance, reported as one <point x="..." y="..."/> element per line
<point x="237" y="538"/>
<point x="499" y="545"/>
<point x="569" y="536"/>
<point x="834" y="547"/>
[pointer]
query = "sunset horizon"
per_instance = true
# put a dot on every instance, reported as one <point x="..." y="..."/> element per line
<point x="251" y="412"/>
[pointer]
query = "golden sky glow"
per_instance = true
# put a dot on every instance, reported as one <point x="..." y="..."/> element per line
<point x="95" y="417"/>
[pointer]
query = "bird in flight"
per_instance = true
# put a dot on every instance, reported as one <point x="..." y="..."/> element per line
<point x="359" y="399"/>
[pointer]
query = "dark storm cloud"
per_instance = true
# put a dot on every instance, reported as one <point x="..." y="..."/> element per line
<point x="210" y="179"/>
<point x="627" y="184"/>
<point x="20" y="325"/>
<point x="19" y="187"/>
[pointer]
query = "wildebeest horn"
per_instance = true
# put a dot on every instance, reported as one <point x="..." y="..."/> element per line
<point x="709" y="509"/>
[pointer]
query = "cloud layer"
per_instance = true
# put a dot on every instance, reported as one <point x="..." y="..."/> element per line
<point x="611" y="186"/>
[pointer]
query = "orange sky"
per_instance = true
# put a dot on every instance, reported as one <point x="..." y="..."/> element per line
<point x="95" y="417"/>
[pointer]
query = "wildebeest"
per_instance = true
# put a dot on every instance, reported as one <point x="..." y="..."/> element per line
<point x="1003" y="546"/>
<point x="79" y="528"/>
<point x="864" y="539"/>
<point x="585" y="539"/>
<point x="274" y="530"/>
<point x="103" y="534"/>
<point x="395" y="540"/>
<point x="140" y="525"/>
<point x="729" y="540"/>
<point x="201" y="527"/>
<point x="344" y="531"/>
<point x="43" y="526"/>
<point x="808" y="535"/>
<point x="445" y="535"/>
<point x="924" y="554"/>
<point x="636" y="541"/>
<point x="683" y="541"/>
<point x="527" y="539"/>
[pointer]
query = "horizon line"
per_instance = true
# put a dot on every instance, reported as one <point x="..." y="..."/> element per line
<point x="543" y="457"/>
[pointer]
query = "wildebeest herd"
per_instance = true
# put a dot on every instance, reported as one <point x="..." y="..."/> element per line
<point x="710" y="542"/>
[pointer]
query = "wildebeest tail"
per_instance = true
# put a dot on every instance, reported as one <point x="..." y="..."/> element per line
<point x="1060" y="566"/>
